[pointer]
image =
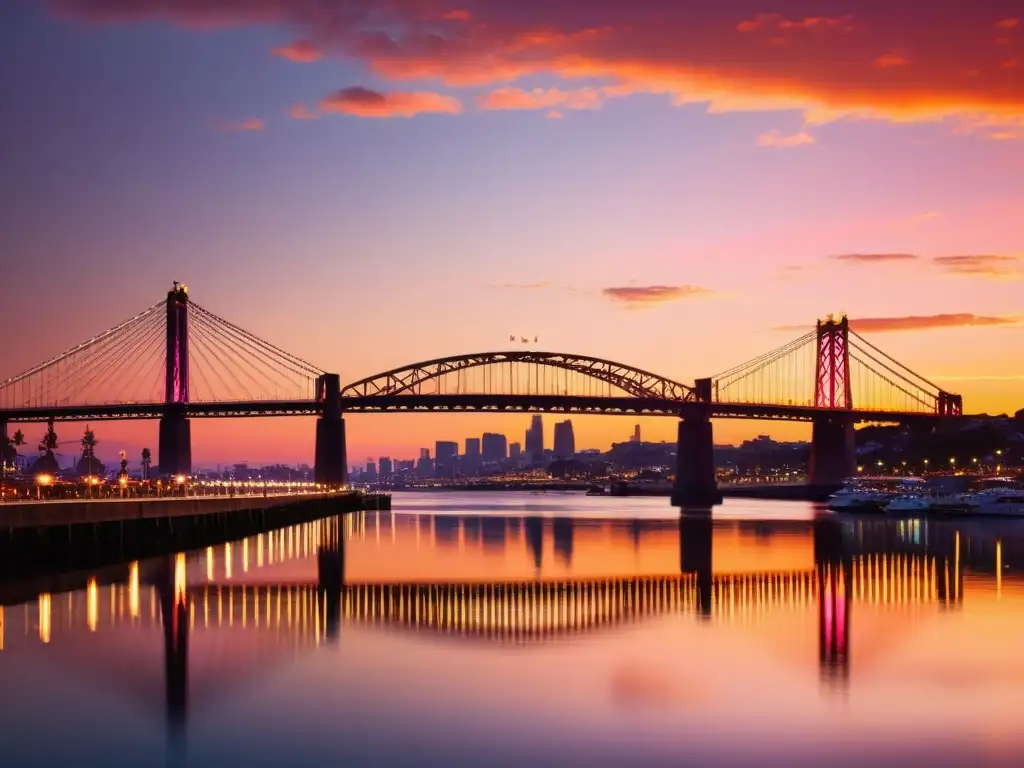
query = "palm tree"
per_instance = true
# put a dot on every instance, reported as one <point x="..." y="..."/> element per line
<point x="89" y="443"/>
<point x="49" y="442"/>
<point x="9" y="450"/>
<point x="147" y="459"/>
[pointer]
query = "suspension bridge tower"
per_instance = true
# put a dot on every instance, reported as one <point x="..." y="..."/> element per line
<point x="833" y="454"/>
<point x="175" y="440"/>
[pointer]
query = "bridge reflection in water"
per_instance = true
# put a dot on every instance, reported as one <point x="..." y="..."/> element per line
<point x="851" y="565"/>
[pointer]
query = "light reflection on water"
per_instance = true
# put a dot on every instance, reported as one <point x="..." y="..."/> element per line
<point x="534" y="628"/>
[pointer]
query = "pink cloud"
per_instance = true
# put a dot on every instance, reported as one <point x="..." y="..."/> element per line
<point x="776" y="21"/>
<point x="636" y="297"/>
<point x="363" y="102"/>
<point x="541" y="98"/>
<point x="301" y="112"/>
<point x="301" y="51"/>
<point x="888" y="60"/>
<point x="243" y="126"/>
<point x="776" y="139"/>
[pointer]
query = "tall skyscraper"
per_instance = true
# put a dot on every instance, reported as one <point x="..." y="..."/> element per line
<point x="387" y="468"/>
<point x="495" y="447"/>
<point x="565" y="440"/>
<point x="445" y="453"/>
<point x="535" y="438"/>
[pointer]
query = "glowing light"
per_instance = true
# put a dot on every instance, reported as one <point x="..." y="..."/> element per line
<point x="44" y="617"/>
<point x="92" y="604"/>
<point x="180" y="479"/>
<point x="44" y="479"/>
<point x="133" y="589"/>
<point x="180" y="574"/>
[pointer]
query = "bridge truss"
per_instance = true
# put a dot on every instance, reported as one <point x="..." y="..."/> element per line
<point x="521" y="374"/>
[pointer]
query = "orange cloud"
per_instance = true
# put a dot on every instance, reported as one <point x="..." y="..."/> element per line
<point x="981" y="265"/>
<point x="1008" y="23"/>
<point x="541" y="98"/>
<point x="635" y="297"/>
<point x="891" y="60"/>
<point x="927" y="322"/>
<point x="874" y="258"/>
<point x="301" y="51"/>
<point x="918" y="323"/>
<point x="776" y="21"/>
<point x="251" y="124"/>
<point x="456" y="15"/>
<point x="301" y="112"/>
<point x="776" y="139"/>
<point x="526" y="286"/>
<point x="554" y="114"/>
<point x="649" y="47"/>
<point x="362" y="102"/>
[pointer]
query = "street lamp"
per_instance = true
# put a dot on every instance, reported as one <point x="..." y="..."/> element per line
<point x="42" y="480"/>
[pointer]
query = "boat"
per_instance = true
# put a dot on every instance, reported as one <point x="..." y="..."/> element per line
<point x="908" y="503"/>
<point x="997" y="503"/>
<point x="855" y="498"/>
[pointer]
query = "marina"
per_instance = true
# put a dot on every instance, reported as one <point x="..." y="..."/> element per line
<point x="909" y="496"/>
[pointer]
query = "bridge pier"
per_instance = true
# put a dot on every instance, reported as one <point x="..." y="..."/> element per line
<point x="174" y="449"/>
<point x="695" y="538"/>
<point x="833" y="451"/>
<point x="331" y="460"/>
<point x="695" y="484"/>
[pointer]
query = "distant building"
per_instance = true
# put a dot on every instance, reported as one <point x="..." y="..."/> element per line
<point x="494" y="447"/>
<point x="565" y="440"/>
<point x="471" y="460"/>
<point x="636" y="435"/>
<point x="424" y="467"/>
<point x="515" y="451"/>
<point x="371" y="470"/>
<point x="535" y="438"/>
<point x="445" y="454"/>
<point x="386" y="467"/>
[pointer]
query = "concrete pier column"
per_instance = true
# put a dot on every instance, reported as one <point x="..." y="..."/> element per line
<point x="331" y="459"/>
<point x="833" y="452"/>
<point x="695" y="538"/>
<point x="696" y="484"/>
<point x="174" y="449"/>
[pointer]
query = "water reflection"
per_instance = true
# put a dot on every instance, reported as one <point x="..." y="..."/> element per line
<point x="507" y="581"/>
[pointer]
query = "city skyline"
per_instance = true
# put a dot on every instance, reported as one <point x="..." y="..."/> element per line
<point x="674" y="189"/>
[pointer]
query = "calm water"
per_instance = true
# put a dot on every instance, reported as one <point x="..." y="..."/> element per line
<point x="533" y="629"/>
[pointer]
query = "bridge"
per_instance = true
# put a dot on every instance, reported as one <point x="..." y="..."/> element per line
<point x="177" y="361"/>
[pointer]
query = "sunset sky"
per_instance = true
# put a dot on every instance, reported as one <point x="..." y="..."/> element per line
<point x="673" y="185"/>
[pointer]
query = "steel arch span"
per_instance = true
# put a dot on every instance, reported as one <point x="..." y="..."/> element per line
<point x="521" y="373"/>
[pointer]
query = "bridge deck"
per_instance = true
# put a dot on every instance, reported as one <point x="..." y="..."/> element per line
<point x="411" y="403"/>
